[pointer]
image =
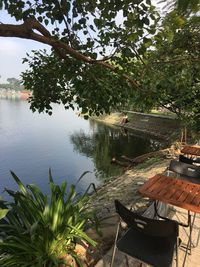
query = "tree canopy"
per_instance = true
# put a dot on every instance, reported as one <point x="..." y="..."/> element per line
<point x="107" y="53"/>
<point x="171" y="73"/>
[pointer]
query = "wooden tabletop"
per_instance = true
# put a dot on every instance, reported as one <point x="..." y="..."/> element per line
<point x="191" y="150"/>
<point x="173" y="191"/>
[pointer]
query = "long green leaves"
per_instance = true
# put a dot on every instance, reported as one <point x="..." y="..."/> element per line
<point x="39" y="229"/>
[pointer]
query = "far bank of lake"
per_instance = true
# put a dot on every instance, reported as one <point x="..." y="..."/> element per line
<point x="13" y="94"/>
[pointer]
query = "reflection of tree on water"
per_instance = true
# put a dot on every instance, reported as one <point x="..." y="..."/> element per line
<point x="104" y="143"/>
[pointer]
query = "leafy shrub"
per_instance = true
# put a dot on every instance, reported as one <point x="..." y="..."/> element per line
<point x="39" y="230"/>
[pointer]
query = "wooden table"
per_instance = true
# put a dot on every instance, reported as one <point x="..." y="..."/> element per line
<point x="173" y="191"/>
<point x="191" y="150"/>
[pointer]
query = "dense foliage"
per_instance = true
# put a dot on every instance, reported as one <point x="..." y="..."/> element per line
<point x="106" y="54"/>
<point x="41" y="230"/>
<point x="171" y="73"/>
<point x="92" y="44"/>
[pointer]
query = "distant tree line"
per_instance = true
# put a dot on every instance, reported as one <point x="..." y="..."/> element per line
<point x="13" y="84"/>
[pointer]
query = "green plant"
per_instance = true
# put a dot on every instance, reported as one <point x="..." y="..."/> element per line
<point x="41" y="231"/>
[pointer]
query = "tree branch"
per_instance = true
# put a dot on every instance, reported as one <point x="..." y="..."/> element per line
<point x="26" y="31"/>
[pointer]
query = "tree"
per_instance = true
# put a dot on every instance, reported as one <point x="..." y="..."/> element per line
<point x="183" y="6"/>
<point x="172" y="71"/>
<point x="15" y="83"/>
<point x="91" y="42"/>
<point x="100" y="51"/>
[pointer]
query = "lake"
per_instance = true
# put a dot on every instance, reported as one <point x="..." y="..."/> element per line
<point x="31" y="143"/>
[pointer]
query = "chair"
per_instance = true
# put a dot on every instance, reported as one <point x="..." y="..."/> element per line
<point x="184" y="159"/>
<point x="187" y="160"/>
<point x="192" y="174"/>
<point x="189" y="170"/>
<point x="197" y="160"/>
<point x="148" y="240"/>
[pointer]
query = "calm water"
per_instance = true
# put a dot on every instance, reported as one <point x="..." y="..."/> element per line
<point x="31" y="143"/>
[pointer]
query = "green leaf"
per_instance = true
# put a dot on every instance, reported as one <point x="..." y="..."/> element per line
<point x="20" y="184"/>
<point x="50" y="176"/>
<point x="46" y="21"/>
<point x="76" y="27"/>
<point x="3" y="213"/>
<point x="98" y="22"/>
<point x="128" y="52"/>
<point x="92" y="28"/>
<point x="82" y="175"/>
<point x="40" y="19"/>
<point x="146" y="20"/>
<point x="84" y="236"/>
<point x="82" y="21"/>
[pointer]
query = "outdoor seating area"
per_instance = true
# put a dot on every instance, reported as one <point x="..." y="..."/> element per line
<point x="169" y="235"/>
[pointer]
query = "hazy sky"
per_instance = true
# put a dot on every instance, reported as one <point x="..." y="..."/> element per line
<point x="12" y="50"/>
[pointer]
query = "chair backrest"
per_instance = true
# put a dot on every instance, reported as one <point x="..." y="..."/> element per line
<point x="184" y="169"/>
<point x="146" y="225"/>
<point x="187" y="160"/>
<point x="184" y="159"/>
<point x="197" y="160"/>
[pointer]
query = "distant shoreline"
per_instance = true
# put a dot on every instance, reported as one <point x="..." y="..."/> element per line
<point x="13" y="94"/>
<point x="161" y="127"/>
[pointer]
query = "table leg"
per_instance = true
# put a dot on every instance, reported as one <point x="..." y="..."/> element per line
<point x="198" y="236"/>
<point x="190" y="245"/>
<point x="189" y="240"/>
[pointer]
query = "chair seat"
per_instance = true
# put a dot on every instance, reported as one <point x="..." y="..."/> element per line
<point x="156" y="251"/>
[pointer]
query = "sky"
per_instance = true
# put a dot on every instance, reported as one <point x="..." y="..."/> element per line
<point x="13" y="50"/>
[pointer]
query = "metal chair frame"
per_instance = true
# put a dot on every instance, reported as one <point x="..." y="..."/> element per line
<point x="147" y="226"/>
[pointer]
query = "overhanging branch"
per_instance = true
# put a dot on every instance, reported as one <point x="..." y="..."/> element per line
<point x="26" y="31"/>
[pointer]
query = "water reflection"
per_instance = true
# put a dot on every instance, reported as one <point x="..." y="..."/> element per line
<point x="106" y="142"/>
<point x="31" y="143"/>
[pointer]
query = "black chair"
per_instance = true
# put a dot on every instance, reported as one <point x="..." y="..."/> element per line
<point x="148" y="240"/>
<point x="187" y="160"/>
<point x="192" y="174"/>
<point x="189" y="170"/>
<point x="197" y="160"/>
